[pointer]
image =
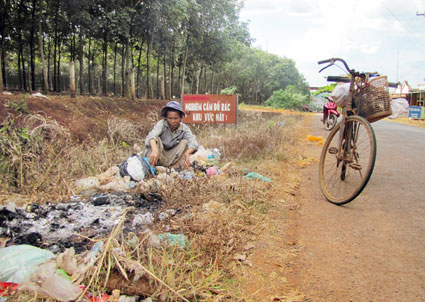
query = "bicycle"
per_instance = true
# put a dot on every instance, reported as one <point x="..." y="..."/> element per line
<point x="349" y="153"/>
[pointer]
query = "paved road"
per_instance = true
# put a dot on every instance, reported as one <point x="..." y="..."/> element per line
<point x="372" y="249"/>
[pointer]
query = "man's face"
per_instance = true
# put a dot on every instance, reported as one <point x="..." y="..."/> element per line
<point x="173" y="119"/>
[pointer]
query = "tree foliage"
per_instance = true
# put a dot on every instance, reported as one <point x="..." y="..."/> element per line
<point x="328" y="88"/>
<point x="290" y="98"/>
<point x="168" y="47"/>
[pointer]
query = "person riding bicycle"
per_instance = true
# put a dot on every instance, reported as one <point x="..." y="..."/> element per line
<point x="330" y="105"/>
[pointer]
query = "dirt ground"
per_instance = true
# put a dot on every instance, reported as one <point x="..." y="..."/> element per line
<point x="367" y="250"/>
<point x="85" y="117"/>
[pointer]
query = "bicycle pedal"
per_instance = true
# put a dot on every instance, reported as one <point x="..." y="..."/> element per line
<point x="333" y="150"/>
<point x="356" y="167"/>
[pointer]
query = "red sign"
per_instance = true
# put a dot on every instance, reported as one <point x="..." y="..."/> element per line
<point x="210" y="108"/>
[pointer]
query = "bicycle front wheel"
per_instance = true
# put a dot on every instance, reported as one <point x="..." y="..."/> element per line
<point x="343" y="176"/>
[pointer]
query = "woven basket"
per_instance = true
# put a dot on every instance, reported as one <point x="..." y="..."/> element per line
<point x="373" y="102"/>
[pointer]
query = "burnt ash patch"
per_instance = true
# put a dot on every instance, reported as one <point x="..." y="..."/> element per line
<point x="63" y="225"/>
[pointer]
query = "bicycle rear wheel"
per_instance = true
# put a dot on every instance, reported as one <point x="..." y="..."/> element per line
<point x="342" y="180"/>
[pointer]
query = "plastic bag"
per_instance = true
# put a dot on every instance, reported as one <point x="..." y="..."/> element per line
<point x="398" y="107"/>
<point x="18" y="262"/>
<point x="46" y="282"/>
<point x="340" y="94"/>
<point x="135" y="167"/>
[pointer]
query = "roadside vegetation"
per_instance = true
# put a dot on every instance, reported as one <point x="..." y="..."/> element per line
<point x="221" y="215"/>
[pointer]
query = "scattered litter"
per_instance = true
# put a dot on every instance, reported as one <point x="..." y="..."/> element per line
<point x="186" y="175"/>
<point x="213" y="171"/>
<point x="253" y="175"/>
<point x="39" y="95"/>
<point x="18" y="262"/>
<point x="173" y="239"/>
<point x="7" y="93"/>
<point x="398" y="107"/>
<point x="143" y="219"/>
<point x="47" y="283"/>
<point x="306" y="161"/>
<point x="135" y="167"/>
<point x="129" y="299"/>
<point x="226" y="167"/>
<point x="7" y="289"/>
<point x="319" y="139"/>
<point x="87" y="184"/>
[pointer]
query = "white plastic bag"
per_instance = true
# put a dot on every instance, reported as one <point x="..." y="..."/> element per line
<point x="340" y="94"/>
<point x="135" y="168"/>
<point x="398" y="107"/>
<point x="18" y="262"/>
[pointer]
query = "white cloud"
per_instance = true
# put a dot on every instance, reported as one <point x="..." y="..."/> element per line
<point x="368" y="33"/>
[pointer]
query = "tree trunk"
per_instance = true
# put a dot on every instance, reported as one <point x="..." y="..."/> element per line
<point x="183" y="71"/>
<point x="132" y="87"/>
<point x="148" y="68"/>
<point x="24" y="74"/>
<point x="212" y="80"/>
<point x="205" y="80"/>
<point x="32" y="60"/>
<point x="157" y="76"/>
<point x="105" y="61"/>
<point x="198" y="79"/>
<point x="171" y="80"/>
<point x="127" y="90"/>
<point x="59" y="67"/>
<point x="123" y="71"/>
<point x="89" y="69"/>
<point x="179" y="80"/>
<point x="138" y="71"/>
<point x="3" y="67"/>
<point x="2" y="48"/>
<point x="72" y="78"/>
<point x="1" y="77"/>
<point x="81" y="50"/>
<point x="54" y="66"/>
<point x="19" y="69"/>
<point x="43" y="61"/>
<point x="49" y="55"/>
<point x="115" y="67"/>
<point x="164" y="80"/>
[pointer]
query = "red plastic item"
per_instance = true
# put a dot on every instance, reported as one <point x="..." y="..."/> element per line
<point x="89" y="296"/>
<point x="7" y="288"/>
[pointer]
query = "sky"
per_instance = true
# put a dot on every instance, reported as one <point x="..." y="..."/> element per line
<point x="384" y="36"/>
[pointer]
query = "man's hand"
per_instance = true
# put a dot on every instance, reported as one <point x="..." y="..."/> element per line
<point x="154" y="156"/>
<point x="186" y="159"/>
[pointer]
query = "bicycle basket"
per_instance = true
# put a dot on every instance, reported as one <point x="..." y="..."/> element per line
<point x="373" y="102"/>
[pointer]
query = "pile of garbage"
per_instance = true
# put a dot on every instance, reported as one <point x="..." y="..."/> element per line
<point x="53" y="250"/>
<point x="136" y="174"/>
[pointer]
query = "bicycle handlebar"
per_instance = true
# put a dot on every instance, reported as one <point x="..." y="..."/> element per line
<point x="332" y="62"/>
<point x="338" y="79"/>
<point x="347" y="80"/>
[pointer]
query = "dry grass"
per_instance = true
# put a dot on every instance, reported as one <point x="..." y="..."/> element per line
<point x="408" y="121"/>
<point x="220" y="215"/>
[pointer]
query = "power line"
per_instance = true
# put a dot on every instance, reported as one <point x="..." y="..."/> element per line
<point x="405" y="27"/>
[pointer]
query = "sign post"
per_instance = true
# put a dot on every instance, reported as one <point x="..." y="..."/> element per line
<point x="416" y="112"/>
<point x="210" y="108"/>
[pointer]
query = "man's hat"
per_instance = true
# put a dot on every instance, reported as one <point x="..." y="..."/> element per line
<point x="172" y="105"/>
